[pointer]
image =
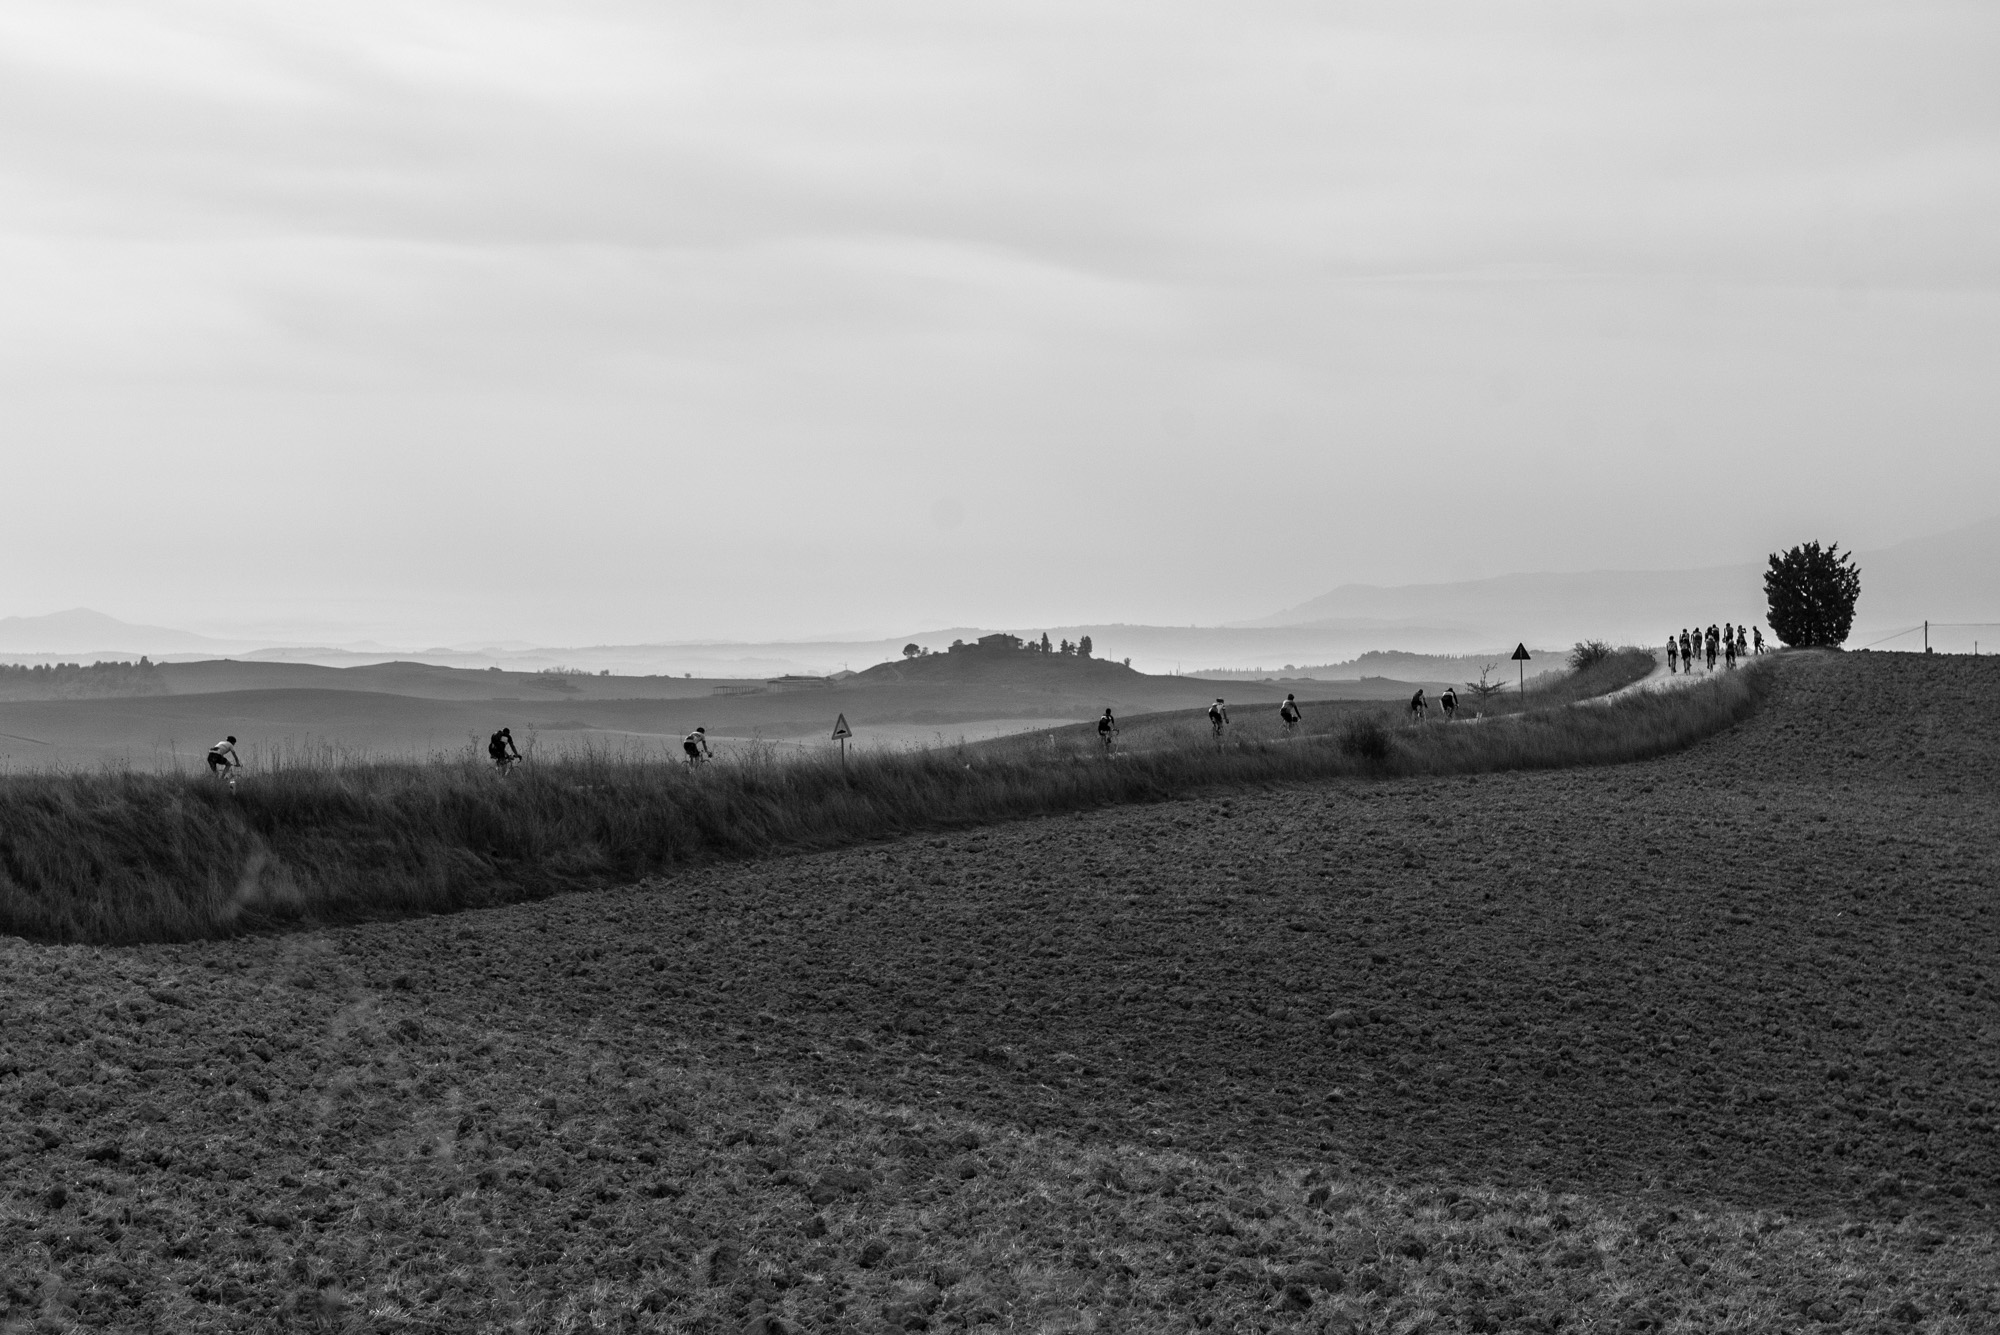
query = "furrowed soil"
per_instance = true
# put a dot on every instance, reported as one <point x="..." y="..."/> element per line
<point x="1707" y="1043"/>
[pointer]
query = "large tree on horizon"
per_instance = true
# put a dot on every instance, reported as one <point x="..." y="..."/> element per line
<point x="1812" y="592"/>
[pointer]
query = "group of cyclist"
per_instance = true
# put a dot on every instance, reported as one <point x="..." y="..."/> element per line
<point x="500" y="749"/>
<point x="1290" y="716"/>
<point x="1684" y="652"/>
<point x="1420" y="707"/>
<point x="1687" y="651"/>
<point x="505" y="755"/>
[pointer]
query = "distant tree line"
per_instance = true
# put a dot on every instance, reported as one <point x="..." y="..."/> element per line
<point x="55" y="671"/>
<point x="1006" y="643"/>
<point x="64" y="679"/>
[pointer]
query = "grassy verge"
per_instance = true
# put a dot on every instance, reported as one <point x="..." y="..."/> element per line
<point x="123" y="857"/>
<point x="1620" y="669"/>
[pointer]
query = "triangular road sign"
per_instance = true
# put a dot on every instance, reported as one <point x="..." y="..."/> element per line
<point x="1520" y="653"/>
<point x="840" y="728"/>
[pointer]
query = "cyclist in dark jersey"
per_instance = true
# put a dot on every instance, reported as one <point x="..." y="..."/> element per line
<point x="1450" y="702"/>
<point x="1107" y="728"/>
<point x="1288" y="712"/>
<point x="500" y="749"/>
<point x="1218" y="717"/>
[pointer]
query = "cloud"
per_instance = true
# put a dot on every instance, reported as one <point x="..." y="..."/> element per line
<point x="1176" y="294"/>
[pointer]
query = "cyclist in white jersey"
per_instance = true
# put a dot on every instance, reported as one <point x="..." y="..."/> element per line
<point x="223" y="756"/>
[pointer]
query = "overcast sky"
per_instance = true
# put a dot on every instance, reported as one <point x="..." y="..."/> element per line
<point x="597" y="321"/>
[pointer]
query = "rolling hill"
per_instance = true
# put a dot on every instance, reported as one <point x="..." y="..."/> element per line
<point x="307" y="712"/>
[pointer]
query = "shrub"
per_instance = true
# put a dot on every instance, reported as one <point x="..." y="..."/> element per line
<point x="1483" y="689"/>
<point x="1588" y="654"/>
<point x="1365" y="738"/>
<point x="1812" y="591"/>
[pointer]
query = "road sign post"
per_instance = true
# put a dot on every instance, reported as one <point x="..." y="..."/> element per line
<point x="841" y="732"/>
<point x="1521" y="669"/>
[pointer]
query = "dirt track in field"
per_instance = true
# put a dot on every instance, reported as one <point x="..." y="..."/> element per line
<point x="1762" y="973"/>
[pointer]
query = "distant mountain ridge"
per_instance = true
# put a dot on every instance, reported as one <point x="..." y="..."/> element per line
<point x="81" y="630"/>
<point x="1952" y="576"/>
<point x="1947" y="577"/>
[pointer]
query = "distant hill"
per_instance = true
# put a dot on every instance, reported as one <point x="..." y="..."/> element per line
<point x="82" y="631"/>
<point x="1017" y="667"/>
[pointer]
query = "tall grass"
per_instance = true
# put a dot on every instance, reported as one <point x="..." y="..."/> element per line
<point x="1601" y="675"/>
<point x="119" y="857"/>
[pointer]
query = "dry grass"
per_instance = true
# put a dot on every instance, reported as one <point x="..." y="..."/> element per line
<point x="121" y="857"/>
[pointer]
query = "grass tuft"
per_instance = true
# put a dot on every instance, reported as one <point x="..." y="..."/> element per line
<point x="1366" y="737"/>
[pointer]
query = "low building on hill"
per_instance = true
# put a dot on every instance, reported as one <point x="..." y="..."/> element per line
<point x="999" y="640"/>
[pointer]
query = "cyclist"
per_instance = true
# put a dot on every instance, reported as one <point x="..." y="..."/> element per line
<point x="696" y="746"/>
<point x="1450" y="702"/>
<point x="223" y="756"/>
<point x="1218" y="718"/>
<point x="1420" y="708"/>
<point x="1107" y="728"/>
<point x="1673" y="655"/>
<point x="1288" y="713"/>
<point x="1759" y="633"/>
<point x="501" y="750"/>
<point x="1687" y="649"/>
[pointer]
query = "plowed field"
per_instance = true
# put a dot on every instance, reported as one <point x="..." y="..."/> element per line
<point x="1756" y="983"/>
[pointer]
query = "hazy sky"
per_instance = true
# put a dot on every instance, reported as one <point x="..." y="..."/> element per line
<point x="594" y="321"/>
